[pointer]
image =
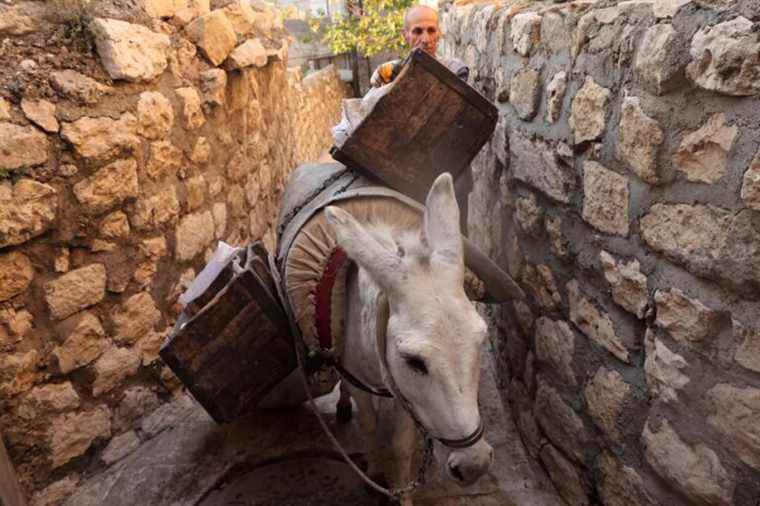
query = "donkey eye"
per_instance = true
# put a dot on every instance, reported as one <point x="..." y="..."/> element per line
<point x="416" y="364"/>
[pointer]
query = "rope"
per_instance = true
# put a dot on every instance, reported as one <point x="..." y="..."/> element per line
<point x="295" y="331"/>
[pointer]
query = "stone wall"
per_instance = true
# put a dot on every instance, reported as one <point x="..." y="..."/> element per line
<point x="622" y="188"/>
<point x="131" y="140"/>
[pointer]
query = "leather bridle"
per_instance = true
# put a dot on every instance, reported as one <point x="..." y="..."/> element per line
<point x="383" y="312"/>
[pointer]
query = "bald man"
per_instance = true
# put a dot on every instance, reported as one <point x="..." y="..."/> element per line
<point x="421" y="30"/>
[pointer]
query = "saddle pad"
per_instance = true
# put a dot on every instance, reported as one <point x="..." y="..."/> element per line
<point x="315" y="268"/>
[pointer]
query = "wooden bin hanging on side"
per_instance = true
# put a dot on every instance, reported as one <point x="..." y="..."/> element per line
<point x="232" y="344"/>
<point x="429" y="122"/>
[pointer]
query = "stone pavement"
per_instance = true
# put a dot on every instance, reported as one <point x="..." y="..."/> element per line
<point x="283" y="458"/>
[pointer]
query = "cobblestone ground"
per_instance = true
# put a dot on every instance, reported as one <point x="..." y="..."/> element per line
<point x="282" y="458"/>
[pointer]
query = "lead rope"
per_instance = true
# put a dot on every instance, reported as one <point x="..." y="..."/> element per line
<point x="394" y="494"/>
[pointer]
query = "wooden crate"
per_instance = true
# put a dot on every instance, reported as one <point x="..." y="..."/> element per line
<point x="429" y="122"/>
<point x="232" y="345"/>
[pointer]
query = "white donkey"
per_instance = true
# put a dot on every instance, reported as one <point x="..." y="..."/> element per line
<point x="411" y="327"/>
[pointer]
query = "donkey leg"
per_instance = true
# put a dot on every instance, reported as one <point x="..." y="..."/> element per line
<point x="367" y="415"/>
<point x="343" y="409"/>
<point x="404" y="444"/>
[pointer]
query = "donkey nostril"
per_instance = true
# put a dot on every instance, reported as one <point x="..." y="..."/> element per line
<point x="456" y="473"/>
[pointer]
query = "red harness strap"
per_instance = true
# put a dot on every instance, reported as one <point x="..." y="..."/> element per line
<point x="323" y="297"/>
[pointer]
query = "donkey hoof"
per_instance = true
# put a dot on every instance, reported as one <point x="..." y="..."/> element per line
<point x="343" y="412"/>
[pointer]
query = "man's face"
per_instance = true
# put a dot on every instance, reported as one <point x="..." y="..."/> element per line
<point x="422" y="30"/>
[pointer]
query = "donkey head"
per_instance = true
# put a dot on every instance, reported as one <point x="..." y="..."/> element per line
<point x="433" y="333"/>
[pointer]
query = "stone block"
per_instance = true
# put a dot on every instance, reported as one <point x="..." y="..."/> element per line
<point x="687" y="320"/>
<point x="213" y="86"/>
<point x="108" y="187"/>
<point x="113" y="367"/>
<point x="560" y="423"/>
<point x="734" y="414"/>
<point x="41" y="113"/>
<point x="522" y="407"/>
<point x="71" y="434"/>
<point x="664" y="369"/>
<point x="16" y="273"/>
<point x="114" y="226"/>
<point x="119" y="447"/>
<point x="525" y="29"/>
<point x="541" y="284"/>
<point x="19" y="323"/>
<point x="78" y="87"/>
<point x="557" y="31"/>
<point x="264" y="22"/>
<point x="588" y="112"/>
<point x="242" y="16"/>
<point x="75" y="290"/>
<point x="566" y="476"/>
<point x="219" y="210"/>
<point x="606" y="395"/>
<point x="214" y="34"/>
<point x="249" y="53"/>
<point x="22" y="147"/>
<point x="153" y="250"/>
<point x="525" y="92"/>
<point x="163" y="8"/>
<point x="195" y="191"/>
<point x="5" y="110"/>
<point x="149" y="346"/>
<point x="605" y="199"/>
<point x="620" y="485"/>
<point x="628" y="284"/>
<point x="529" y="215"/>
<point x="694" y="469"/>
<point x="750" y="192"/>
<point x="555" y="347"/>
<point x="748" y="350"/>
<point x="595" y="323"/>
<point x="708" y="241"/>
<point x="153" y="211"/>
<point x="726" y="58"/>
<point x="660" y="59"/>
<point x="83" y="341"/>
<point x="555" y="96"/>
<point x="22" y="18"/>
<point x="703" y="154"/>
<point x="191" y="107"/>
<point x="524" y="316"/>
<point x="18" y="372"/>
<point x="534" y="162"/>
<point x="639" y="138"/>
<point x="128" y="51"/>
<point x="668" y="8"/>
<point x="194" y="9"/>
<point x="165" y="159"/>
<point x="155" y="114"/>
<point x="558" y="243"/>
<point x="46" y="399"/>
<point x="134" y="318"/>
<point x="201" y="154"/>
<point x="194" y="233"/>
<point x="102" y="138"/>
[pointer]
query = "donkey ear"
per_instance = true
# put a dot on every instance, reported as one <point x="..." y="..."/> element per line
<point x="442" y="219"/>
<point x="382" y="263"/>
